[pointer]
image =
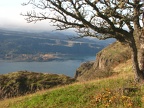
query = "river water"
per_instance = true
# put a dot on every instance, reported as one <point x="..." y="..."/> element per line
<point x="67" y="67"/>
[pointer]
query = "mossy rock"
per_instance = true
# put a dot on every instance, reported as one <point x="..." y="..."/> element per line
<point x="24" y="82"/>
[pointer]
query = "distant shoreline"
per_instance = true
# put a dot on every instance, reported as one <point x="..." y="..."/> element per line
<point x="41" y="57"/>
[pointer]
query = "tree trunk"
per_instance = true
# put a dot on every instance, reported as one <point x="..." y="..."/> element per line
<point x="136" y="68"/>
<point x="138" y="60"/>
<point x="141" y="51"/>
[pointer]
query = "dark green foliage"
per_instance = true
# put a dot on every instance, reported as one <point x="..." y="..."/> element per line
<point x="23" y="82"/>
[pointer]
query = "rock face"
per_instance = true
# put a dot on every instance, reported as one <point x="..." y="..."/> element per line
<point x="83" y="69"/>
<point x="106" y="59"/>
<point x="23" y="82"/>
<point x="112" y="55"/>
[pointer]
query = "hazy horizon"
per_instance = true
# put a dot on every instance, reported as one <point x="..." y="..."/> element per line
<point x="10" y="17"/>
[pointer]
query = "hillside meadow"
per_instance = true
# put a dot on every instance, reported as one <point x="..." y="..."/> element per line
<point x="118" y="91"/>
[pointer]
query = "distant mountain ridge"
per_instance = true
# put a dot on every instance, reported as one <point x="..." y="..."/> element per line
<point x="15" y="43"/>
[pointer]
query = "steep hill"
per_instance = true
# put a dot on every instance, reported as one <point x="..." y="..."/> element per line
<point x="106" y="60"/>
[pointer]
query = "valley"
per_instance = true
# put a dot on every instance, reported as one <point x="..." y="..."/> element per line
<point x="45" y="46"/>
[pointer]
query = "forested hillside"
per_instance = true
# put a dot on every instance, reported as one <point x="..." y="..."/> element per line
<point x="35" y="46"/>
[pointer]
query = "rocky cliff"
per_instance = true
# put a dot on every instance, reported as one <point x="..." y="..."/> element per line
<point x="105" y="61"/>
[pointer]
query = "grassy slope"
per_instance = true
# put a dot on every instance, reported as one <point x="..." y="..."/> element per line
<point x="102" y="93"/>
<point x="23" y="82"/>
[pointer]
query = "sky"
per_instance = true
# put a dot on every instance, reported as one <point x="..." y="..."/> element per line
<point x="10" y="17"/>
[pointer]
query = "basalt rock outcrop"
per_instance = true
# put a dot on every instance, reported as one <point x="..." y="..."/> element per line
<point x="106" y="60"/>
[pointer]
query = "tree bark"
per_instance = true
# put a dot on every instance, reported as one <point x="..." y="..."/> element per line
<point x="137" y="44"/>
<point x="138" y="73"/>
<point x="141" y="52"/>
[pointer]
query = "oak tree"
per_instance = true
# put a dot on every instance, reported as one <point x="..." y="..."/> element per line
<point x="102" y="19"/>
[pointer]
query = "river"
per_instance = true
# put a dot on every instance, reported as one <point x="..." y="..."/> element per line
<point x="67" y="67"/>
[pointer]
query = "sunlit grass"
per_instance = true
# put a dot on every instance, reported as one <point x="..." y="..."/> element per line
<point x="100" y="93"/>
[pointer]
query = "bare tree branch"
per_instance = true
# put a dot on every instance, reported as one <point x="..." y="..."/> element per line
<point x="107" y="17"/>
<point x="103" y="19"/>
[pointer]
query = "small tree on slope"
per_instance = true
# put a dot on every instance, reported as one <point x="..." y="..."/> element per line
<point x="102" y="19"/>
